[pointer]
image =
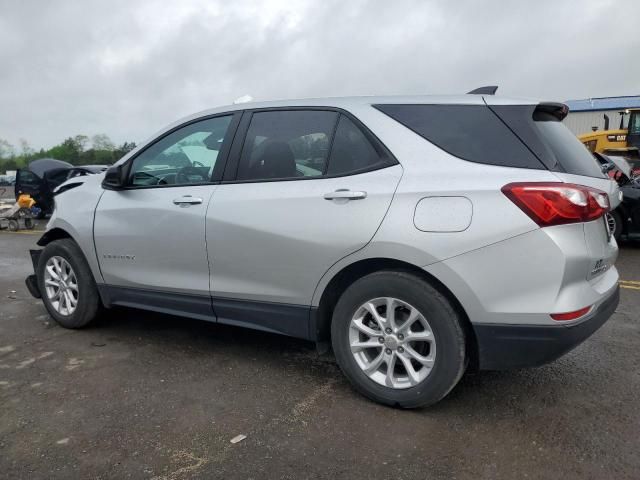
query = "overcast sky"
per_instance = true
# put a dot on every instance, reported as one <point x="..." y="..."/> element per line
<point x="127" y="68"/>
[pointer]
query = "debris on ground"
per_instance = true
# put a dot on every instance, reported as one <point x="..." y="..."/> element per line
<point x="238" y="438"/>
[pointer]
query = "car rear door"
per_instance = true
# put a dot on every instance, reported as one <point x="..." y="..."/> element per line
<point x="150" y="237"/>
<point x="302" y="199"/>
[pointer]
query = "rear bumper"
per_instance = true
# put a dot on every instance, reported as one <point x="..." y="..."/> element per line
<point x="502" y="346"/>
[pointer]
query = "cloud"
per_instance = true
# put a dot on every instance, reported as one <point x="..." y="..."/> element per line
<point x="127" y="68"/>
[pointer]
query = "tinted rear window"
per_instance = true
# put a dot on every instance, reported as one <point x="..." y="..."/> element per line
<point x="570" y="153"/>
<point x="470" y="132"/>
<point x="551" y="141"/>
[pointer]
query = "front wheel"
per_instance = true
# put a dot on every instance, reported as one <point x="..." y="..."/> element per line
<point x="398" y="340"/>
<point x="66" y="284"/>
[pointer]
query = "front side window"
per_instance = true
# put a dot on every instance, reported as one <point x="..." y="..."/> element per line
<point x="286" y="144"/>
<point x="185" y="156"/>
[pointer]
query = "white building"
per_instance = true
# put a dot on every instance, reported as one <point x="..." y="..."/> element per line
<point x="589" y="112"/>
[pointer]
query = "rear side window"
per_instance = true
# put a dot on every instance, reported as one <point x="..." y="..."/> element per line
<point x="286" y="144"/>
<point x="351" y="150"/>
<point x="470" y="132"/>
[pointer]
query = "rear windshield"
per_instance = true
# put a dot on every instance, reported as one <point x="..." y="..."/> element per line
<point x="518" y="136"/>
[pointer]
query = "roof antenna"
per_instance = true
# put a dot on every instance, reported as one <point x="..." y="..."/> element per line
<point x="243" y="99"/>
<point x="490" y="90"/>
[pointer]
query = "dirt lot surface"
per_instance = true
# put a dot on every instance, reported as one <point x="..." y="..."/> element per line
<point x="149" y="396"/>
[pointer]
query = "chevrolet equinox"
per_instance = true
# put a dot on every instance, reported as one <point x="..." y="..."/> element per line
<point x="415" y="235"/>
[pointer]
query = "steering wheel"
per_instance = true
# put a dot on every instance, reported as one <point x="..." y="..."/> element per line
<point x="186" y="174"/>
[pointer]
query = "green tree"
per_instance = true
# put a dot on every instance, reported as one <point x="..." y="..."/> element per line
<point x="7" y="164"/>
<point x="6" y="149"/>
<point x="81" y="142"/>
<point x="102" y="142"/>
<point x="68" y="151"/>
<point x="25" y="149"/>
<point x="123" y="149"/>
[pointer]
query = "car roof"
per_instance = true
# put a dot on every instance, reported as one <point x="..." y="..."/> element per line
<point x="347" y="102"/>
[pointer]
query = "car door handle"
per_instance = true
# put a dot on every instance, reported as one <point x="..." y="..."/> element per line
<point x="187" y="200"/>
<point x="345" y="194"/>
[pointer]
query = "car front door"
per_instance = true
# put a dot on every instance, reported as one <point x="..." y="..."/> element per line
<point x="150" y="236"/>
<point x="312" y="186"/>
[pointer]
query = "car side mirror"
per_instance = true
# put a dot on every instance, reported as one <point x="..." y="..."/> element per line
<point x="115" y="178"/>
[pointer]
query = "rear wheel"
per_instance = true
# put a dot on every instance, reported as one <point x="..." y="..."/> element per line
<point x="614" y="222"/>
<point x="66" y="284"/>
<point x="398" y="340"/>
<point x="14" y="226"/>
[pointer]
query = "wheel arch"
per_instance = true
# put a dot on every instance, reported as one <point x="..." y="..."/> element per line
<point x="63" y="230"/>
<point x="53" y="234"/>
<point x="321" y="321"/>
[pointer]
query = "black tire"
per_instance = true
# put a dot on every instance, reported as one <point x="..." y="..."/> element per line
<point x="445" y="323"/>
<point x="89" y="305"/>
<point x="617" y="218"/>
<point x="14" y="226"/>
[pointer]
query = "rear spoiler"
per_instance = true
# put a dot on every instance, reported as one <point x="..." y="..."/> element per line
<point x="558" y="110"/>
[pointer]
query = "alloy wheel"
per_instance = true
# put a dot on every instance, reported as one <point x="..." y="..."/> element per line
<point x="61" y="285"/>
<point x="611" y="223"/>
<point x="392" y="342"/>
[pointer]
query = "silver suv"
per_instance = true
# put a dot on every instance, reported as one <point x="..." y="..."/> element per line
<point x="418" y="236"/>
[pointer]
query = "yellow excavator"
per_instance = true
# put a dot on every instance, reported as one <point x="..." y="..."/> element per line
<point x="621" y="142"/>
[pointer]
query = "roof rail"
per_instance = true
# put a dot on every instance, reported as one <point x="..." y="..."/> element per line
<point x="489" y="90"/>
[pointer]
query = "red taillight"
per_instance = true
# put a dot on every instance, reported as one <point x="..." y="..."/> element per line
<point x="571" y="315"/>
<point x="551" y="203"/>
